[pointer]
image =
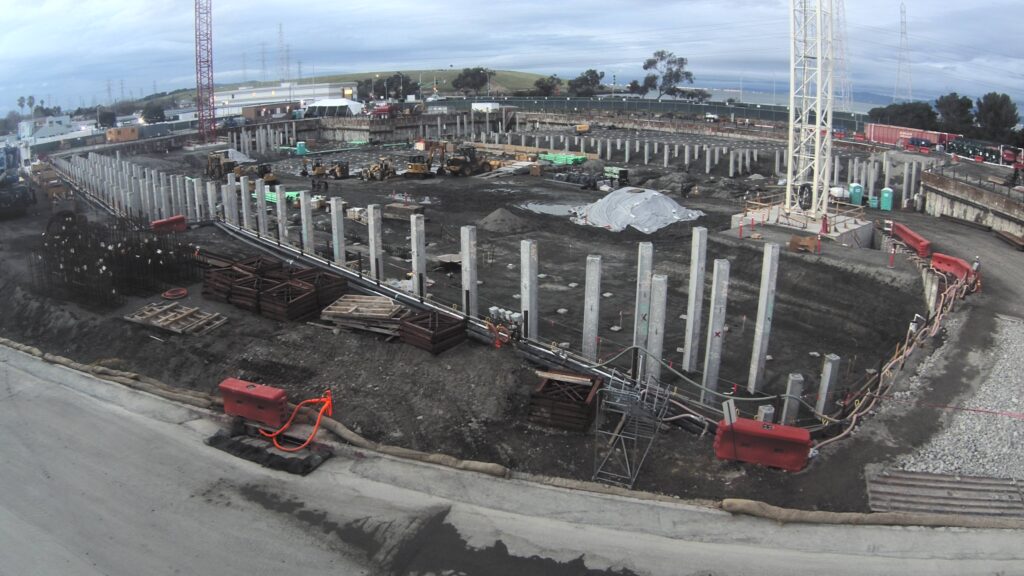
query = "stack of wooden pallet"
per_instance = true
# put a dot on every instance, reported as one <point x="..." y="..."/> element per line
<point x="377" y="314"/>
<point x="245" y="293"/>
<point x="288" y="301"/>
<point x="218" y="283"/>
<point x="329" y="287"/>
<point x="564" y="400"/>
<point x="432" y="331"/>
<point x="265" y="286"/>
<point x="174" y="317"/>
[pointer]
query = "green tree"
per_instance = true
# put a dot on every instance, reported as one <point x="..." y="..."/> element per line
<point x="997" y="115"/>
<point x="31" y="102"/>
<point x="650" y="83"/>
<point x="153" y="112"/>
<point x="106" y="118"/>
<point x="21" y="104"/>
<point x="669" y="71"/>
<point x="956" y="113"/>
<point x="472" y="79"/>
<point x="548" y="86"/>
<point x="698" y="95"/>
<point x="909" y="114"/>
<point x="586" y="84"/>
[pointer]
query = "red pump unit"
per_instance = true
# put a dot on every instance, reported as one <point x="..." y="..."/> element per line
<point x="774" y="445"/>
<point x="264" y="404"/>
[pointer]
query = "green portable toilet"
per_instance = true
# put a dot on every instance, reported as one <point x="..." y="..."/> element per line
<point x="886" y="200"/>
<point x="872" y="201"/>
<point x="300" y="148"/>
<point x="856" y="194"/>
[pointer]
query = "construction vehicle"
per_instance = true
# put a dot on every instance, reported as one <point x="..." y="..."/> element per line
<point x="418" y="167"/>
<point x="255" y="171"/>
<point x="15" y="196"/>
<point x="582" y="128"/>
<point x="466" y="162"/>
<point x="338" y="171"/>
<point x="218" y="164"/>
<point x="379" y="170"/>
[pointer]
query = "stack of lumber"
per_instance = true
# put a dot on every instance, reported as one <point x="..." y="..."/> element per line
<point x="174" y="317"/>
<point x="377" y="314"/>
<point x="564" y="400"/>
<point x="432" y="331"/>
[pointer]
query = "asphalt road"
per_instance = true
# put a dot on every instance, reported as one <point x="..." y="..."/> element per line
<point x="99" y="479"/>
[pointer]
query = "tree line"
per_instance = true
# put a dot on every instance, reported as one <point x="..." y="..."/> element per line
<point x="992" y="117"/>
<point x="665" y="73"/>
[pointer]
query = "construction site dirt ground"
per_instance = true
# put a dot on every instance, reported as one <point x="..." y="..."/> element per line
<point x="472" y="401"/>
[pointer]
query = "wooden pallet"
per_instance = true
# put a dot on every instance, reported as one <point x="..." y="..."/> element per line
<point x="432" y="331"/>
<point x="352" y="306"/>
<point x="564" y="400"/>
<point x="176" y="318"/>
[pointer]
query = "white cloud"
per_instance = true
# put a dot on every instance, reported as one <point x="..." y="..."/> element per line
<point x="71" y="49"/>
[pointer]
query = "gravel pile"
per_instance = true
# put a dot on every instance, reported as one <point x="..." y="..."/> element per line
<point x="982" y="443"/>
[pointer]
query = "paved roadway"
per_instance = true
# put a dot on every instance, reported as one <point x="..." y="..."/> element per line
<point x="99" y="479"/>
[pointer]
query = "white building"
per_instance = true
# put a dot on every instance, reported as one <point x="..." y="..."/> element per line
<point x="231" y="102"/>
<point x="45" y="127"/>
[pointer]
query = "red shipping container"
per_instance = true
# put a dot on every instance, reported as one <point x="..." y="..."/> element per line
<point x="901" y="135"/>
<point x="775" y="445"/>
<point x="264" y="404"/>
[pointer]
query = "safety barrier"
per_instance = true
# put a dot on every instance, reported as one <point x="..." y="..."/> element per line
<point x="912" y="239"/>
<point x="952" y="265"/>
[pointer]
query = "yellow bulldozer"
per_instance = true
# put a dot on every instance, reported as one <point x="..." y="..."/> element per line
<point x="218" y="165"/>
<point x="379" y="170"/>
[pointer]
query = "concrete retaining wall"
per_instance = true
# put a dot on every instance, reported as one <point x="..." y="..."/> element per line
<point x="945" y="196"/>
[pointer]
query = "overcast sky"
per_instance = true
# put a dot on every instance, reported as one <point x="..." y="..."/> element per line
<point x="66" y="52"/>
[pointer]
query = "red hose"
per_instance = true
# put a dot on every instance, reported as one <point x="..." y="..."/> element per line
<point x="175" y="294"/>
<point x="328" y="407"/>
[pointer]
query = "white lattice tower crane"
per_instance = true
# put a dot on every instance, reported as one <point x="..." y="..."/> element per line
<point x="843" y="99"/>
<point x="809" y="158"/>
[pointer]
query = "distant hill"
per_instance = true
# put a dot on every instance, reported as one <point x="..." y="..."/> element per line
<point x="504" y="81"/>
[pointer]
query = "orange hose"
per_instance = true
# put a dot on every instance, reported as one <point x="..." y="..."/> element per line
<point x="328" y="407"/>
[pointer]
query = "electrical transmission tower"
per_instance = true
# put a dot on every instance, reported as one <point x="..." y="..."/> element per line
<point x="809" y="157"/>
<point x="263" y="61"/>
<point x="282" y="57"/>
<point x="204" y="71"/>
<point x="843" y="99"/>
<point x="904" y="90"/>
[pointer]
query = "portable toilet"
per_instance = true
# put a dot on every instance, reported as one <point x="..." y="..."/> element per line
<point x="856" y="194"/>
<point x="886" y="202"/>
<point x="873" y="202"/>
<point x="300" y="148"/>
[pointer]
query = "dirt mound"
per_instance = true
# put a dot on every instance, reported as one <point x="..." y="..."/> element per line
<point x="503" y="221"/>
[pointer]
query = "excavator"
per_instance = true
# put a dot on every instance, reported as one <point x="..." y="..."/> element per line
<point x="254" y="171"/>
<point x="466" y="162"/>
<point x="421" y="165"/>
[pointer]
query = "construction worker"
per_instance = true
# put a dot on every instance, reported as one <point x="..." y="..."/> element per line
<point x="976" y="265"/>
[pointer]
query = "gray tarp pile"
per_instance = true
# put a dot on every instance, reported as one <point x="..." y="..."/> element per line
<point x="646" y="210"/>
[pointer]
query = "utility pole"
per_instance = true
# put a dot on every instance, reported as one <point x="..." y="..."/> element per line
<point x="903" y="89"/>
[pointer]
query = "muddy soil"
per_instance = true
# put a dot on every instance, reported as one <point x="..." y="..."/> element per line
<point x="472" y="401"/>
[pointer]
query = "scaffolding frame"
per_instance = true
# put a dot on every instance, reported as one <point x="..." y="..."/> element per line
<point x="628" y="418"/>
